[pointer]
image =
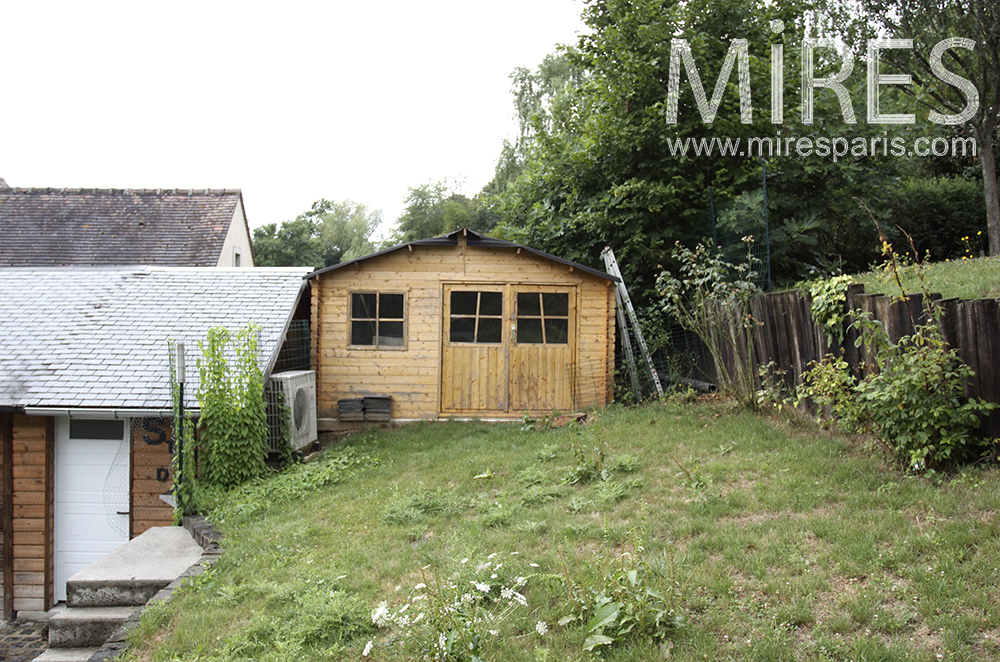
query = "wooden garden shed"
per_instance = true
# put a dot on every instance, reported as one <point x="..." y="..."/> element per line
<point x="463" y="325"/>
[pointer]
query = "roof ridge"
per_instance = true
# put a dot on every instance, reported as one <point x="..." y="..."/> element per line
<point x="50" y="190"/>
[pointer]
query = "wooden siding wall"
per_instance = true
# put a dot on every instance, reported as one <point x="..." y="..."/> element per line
<point x="151" y="477"/>
<point x="7" y="513"/>
<point x="33" y="533"/>
<point x="412" y="376"/>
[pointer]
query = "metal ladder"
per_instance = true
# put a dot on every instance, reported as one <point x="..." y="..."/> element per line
<point x="625" y="317"/>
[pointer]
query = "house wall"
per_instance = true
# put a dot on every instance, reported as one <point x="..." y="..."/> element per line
<point x="29" y="442"/>
<point x="33" y="446"/>
<point x="237" y="238"/>
<point x="151" y="474"/>
<point x="412" y="376"/>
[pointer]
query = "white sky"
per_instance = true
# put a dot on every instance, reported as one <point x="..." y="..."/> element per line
<point x="290" y="102"/>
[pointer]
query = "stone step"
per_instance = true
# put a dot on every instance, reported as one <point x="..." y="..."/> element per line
<point x="86" y="626"/>
<point x="111" y="593"/>
<point x="136" y="571"/>
<point x="66" y="655"/>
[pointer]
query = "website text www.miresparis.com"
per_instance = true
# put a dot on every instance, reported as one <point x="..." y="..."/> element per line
<point x="832" y="147"/>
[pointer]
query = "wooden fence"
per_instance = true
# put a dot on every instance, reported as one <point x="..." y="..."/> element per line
<point x="787" y="336"/>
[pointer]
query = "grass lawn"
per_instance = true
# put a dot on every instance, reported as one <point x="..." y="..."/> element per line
<point x="757" y="539"/>
<point x="967" y="278"/>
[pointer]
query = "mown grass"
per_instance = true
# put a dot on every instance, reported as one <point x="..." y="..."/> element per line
<point x="777" y="541"/>
<point x="967" y="278"/>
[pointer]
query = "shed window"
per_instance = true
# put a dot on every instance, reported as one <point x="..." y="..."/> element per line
<point x="542" y="318"/>
<point x="377" y="319"/>
<point x="476" y="317"/>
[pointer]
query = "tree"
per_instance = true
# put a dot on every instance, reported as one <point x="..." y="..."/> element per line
<point x="927" y="23"/>
<point x="327" y="234"/>
<point x="434" y="209"/>
<point x="344" y="229"/>
<point x="293" y="244"/>
<point x="608" y="171"/>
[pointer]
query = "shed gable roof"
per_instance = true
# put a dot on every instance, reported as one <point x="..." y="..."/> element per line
<point x="472" y="239"/>
<point x="101" y="227"/>
<point x="79" y="338"/>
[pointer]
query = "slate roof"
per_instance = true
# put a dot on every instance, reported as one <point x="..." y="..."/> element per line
<point x="101" y="227"/>
<point x="472" y="239"/>
<point x="97" y="338"/>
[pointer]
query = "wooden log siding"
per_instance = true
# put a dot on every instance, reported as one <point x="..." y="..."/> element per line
<point x="787" y="336"/>
<point x="412" y="374"/>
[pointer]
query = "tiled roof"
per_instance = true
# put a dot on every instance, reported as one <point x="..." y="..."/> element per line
<point x="101" y="227"/>
<point x="98" y="337"/>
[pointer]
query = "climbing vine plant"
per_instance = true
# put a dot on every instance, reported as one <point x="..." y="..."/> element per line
<point x="182" y="446"/>
<point x="829" y="305"/>
<point x="233" y="423"/>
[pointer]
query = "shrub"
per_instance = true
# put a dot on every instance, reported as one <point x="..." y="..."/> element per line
<point x="711" y="297"/>
<point x="913" y="402"/>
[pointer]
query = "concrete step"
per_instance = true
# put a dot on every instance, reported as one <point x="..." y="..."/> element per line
<point x="136" y="571"/>
<point x="86" y="626"/>
<point x="66" y="655"/>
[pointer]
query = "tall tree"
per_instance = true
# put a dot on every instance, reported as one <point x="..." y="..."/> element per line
<point x="328" y="233"/>
<point x="292" y="244"/>
<point x="434" y="209"/>
<point x="928" y="23"/>
<point x="609" y="172"/>
<point x="344" y="229"/>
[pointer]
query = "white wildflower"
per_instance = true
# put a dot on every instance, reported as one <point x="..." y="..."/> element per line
<point x="481" y="567"/>
<point x="495" y="633"/>
<point x="380" y="615"/>
<point x="533" y="565"/>
<point x="442" y="642"/>
<point x="420" y="586"/>
<point x="404" y="608"/>
<point x="491" y="555"/>
<point x="541" y="627"/>
<point x="493" y="576"/>
<point x="520" y="581"/>
<point x="419" y="618"/>
<point x="467" y="597"/>
<point x="464" y="561"/>
<point x="368" y="649"/>
<point x="485" y="588"/>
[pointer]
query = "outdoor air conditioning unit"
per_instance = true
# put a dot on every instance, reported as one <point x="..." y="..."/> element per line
<point x="299" y="387"/>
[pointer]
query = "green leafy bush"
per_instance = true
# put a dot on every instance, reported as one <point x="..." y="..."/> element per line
<point x="629" y="602"/>
<point x="913" y="402"/>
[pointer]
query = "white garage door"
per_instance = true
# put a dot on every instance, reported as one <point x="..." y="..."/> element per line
<point x="91" y="494"/>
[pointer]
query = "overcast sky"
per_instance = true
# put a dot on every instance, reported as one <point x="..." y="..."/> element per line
<point x="290" y="102"/>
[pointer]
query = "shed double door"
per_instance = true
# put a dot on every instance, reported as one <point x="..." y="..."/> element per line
<point x="507" y="348"/>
